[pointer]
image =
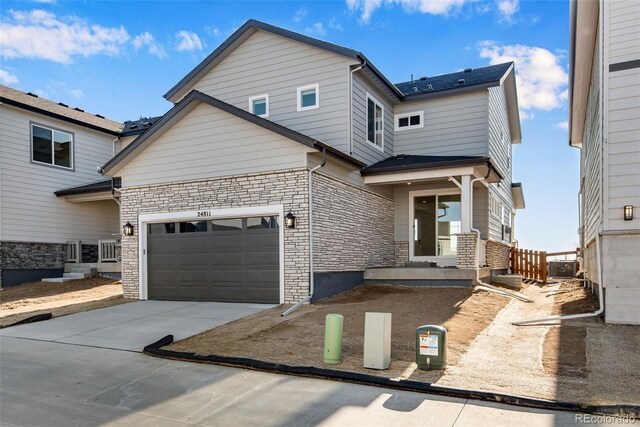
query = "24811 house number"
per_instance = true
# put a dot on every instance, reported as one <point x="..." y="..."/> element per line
<point x="203" y="213"/>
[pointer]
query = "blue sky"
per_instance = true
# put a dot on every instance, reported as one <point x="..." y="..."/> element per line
<point x="118" y="58"/>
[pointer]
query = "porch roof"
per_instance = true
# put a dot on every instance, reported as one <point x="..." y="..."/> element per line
<point x="406" y="163"/>
<point x="89" y="189"/>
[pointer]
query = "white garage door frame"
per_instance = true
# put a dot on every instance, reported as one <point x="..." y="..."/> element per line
<point x="205" y="214"/>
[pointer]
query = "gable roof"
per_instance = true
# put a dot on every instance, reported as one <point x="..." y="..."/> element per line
<point x="60" y="111"/>
<point x="469" y="78"/>
<point x="250" y="27"/>
<point x="195" y="96"/>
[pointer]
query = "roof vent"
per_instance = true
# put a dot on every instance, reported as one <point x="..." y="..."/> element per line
<point x="468" y="70"/>
<point x="429" y="87"/>
<point x="79" y="109"/>
<point x="461" y="81"/>
<point x="415" y="89"/>
<point x="401" y="156"/>
<point x="423" y="78"/>
<point x="98" y="115"/>
<point x="133" y="126"/>
<point x="63" y="104"/>
<point x="32" y="94"/>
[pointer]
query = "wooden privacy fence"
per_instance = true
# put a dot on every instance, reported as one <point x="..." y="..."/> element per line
<point x="529" y="264"/>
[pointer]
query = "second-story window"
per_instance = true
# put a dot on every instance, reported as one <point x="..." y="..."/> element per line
<point x="51" y="146"/>
<point x="375" y="122"/>
<point x="308" y="97"/>
<point x="409" y="120"/>
<point x="259" y="105"/>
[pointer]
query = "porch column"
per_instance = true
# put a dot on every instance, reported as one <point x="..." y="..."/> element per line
<point x="465" y="200"/>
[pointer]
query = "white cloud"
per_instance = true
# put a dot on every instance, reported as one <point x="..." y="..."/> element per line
<point x="562" y="125"/>
<point x="508" y="8"/>
<point x="78" y="93"/>
<point x="334" y="24"/>
<point x="542" y="81"/>
<point x="316" y="29"/>
<point x="39" y="34"/>
<point x="147" y="40"/>
<point x="6" y="78"/>
<point x="300" y="15"/>
<point x="188" y="41"/>
<point x="431" y="7"/>
<point x="213" y="31"/>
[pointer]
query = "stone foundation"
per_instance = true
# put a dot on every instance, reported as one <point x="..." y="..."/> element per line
<point x="498" y="255"/>
<point x="401" y="253"/>
<point x="26" y="259"/>
<point x="89" y="253"/>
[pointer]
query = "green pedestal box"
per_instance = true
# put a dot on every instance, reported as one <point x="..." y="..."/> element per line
<point x="431" y="347"/>
<point x="333" y="338"/>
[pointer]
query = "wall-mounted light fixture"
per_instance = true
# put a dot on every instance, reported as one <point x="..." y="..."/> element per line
<point x="628" y="213"/>
<point x="290" y="220"/>
<point x="128" y="229"/>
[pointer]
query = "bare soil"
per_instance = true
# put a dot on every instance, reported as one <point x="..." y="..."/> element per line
<point x="19" y="302"/>
<point x="298" y="338"/>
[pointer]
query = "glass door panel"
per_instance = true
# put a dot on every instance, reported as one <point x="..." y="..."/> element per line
<point x="424" y="226"/>
<point x="449" y="222"/>
<point x="435" y="221"/>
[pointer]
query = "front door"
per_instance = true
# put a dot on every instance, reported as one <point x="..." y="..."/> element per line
<point x="435" y="219"/>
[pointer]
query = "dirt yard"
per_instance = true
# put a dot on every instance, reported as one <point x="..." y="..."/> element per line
<point x="20" y="302"/>
<point x="582" y="360"/>
<point x="298" y="338"/>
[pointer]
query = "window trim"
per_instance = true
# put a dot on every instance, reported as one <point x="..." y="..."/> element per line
<point x="397" y="118"/>
<point x="366" y="129"/>
<point x="71" y="168"/>
<point x="257" y="97"/>
<point x="299" y="91"/>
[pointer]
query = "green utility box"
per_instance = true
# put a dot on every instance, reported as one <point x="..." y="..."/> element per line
<point x="431" y="347"/>
<point x="333" y="338"/>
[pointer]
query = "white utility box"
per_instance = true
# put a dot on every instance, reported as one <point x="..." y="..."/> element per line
<point x="377" y="340"/>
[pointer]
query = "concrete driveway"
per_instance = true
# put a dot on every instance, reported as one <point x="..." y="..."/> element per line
<point x="134" y="325"/>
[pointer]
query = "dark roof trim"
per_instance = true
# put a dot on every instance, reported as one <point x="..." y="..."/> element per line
<point x="252" y="23"/>
<point x="56" y="116"/>
<point x="96" y="187"/>
<point x="452" y="91"/>
<point x="194" y="95"/>
<point x="428" y="166"/>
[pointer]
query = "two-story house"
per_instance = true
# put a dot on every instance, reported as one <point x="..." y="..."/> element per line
<point x="605" y="125"/>
<point x="288" y="166"/>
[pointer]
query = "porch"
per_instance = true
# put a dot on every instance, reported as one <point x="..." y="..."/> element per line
<point x="424" y="276"/>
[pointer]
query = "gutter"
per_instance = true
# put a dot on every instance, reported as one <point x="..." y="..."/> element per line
<point x="359" y="67"/>
<point x="311" y="279"/>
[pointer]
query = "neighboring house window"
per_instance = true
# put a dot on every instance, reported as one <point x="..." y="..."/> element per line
<point x="308" y="97"/>
<point x="375" y="122"/>
<point x="259" y="105"/>
<point x="409" y="120"/>
<point x="51" y="146"/>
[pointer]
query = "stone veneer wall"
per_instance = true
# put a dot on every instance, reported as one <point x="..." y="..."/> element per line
<point x="288" y="188"/>
<point x="89" y="253"/>
<point x="31" y="256"/>
<point x="466" y="253"/>
<point x="353" y="227"/>
<point x="402" y="253"/>
<point x="498" y="255"/>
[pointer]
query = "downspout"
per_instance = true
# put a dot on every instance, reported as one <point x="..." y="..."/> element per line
<point x="311" y="279"/>
<point x="359" y="67"/>
<point x="479" y="283"/>
<point x="113" y="146"/>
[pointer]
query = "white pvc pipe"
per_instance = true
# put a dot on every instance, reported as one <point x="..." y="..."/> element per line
<point x="577" y="316"/>
<point x="351" y="105"/>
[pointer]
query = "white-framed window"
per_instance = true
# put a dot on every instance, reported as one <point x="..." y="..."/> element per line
<point x="259" y="105"/>
<point x="308" y="97"/>
<point x="375" y="122"/>
<point x="51" y="146"/>
<point x="496" y="208"/>
<point x="407" y="121"/>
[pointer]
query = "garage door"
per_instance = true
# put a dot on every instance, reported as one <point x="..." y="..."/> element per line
<point x="230" y="260"/>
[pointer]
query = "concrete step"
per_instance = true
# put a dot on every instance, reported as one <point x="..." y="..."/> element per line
<point x="76" y="275"/>
<point x="421" y="273"/>
<point x="87" y="270"/>
<point x="512" y="280"/>
<point x="60" y="279"/>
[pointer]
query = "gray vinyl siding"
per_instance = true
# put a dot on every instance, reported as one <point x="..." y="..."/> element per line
<point x="500" y="152"/>
<point x="207" y="143"/>
<point x="30" y="211"/>
<point x="453" y="126"/>
<point x="591" y="159"/>
<point x="362" y="149"/>
<point x="624" y="31"/>
<point x="401" y="196"/>
<point x="270" y="64"/>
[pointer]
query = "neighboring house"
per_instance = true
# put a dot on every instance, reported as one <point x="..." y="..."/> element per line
<point x="274" y="125"/>
<point x="605" y="125"/>
<point x="54" y="204"/>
